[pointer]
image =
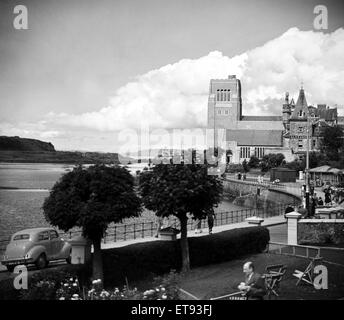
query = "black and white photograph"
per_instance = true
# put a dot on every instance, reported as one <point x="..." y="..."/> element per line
<point x="185" y="150"/>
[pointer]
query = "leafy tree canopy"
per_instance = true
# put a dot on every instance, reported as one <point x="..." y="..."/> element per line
<point x="91" y="199"/>
<point x="179" y="189"/>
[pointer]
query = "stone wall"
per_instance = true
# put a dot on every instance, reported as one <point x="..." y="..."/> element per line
<point x="320" y="231"/>
<point x="245" y="193"/>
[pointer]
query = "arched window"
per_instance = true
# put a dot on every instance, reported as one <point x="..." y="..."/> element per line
<point x="218" y="95"/>
<point x="222" y="98"/>
<point x="229" y="95"/>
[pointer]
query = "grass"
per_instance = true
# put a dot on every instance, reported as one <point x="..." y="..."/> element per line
<point x="221" y="279"/>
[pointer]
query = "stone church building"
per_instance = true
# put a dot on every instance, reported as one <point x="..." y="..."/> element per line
<point x="261" y="135"/>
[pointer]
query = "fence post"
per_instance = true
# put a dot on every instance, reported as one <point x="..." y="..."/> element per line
<point x="143" y="229"/>
<point x="125" y="232"/>
<point x="292" y="222"/>
<point x="152" y="226"/>
<point x="134" y="230"/>
<point x="115" y="235"/>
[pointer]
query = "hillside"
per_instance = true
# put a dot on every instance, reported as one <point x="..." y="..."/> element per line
<point x="24" y="144"/>
<point x="22" y="150"/>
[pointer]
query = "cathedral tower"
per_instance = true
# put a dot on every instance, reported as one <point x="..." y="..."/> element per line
<point x="224" y="104"/>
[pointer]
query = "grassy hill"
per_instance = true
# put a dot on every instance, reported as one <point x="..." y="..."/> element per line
<point x="16" y="149"/>
<point x="24" y="144"/>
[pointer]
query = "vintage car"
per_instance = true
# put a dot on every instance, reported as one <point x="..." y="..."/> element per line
<point x="36" y="246"/>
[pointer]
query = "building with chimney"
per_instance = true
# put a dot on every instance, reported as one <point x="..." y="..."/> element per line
<point x="261" y="135"/>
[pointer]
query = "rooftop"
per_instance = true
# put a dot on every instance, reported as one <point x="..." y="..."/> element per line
<point x="255" y="137"/>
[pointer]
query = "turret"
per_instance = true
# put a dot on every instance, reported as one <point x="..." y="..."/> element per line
<point x="286" y="111"/>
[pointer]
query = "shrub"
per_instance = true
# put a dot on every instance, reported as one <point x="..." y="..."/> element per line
<point x="7" y="290"/>
<point x="253" y="162"/>
<point x="45" y="284"/>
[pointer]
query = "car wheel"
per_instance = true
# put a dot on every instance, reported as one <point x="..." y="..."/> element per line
<point x="69" y="260"/>
<point x="41" y="262"/>
<point x="10" y="268"/>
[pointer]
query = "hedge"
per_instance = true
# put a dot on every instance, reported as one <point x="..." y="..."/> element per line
<point x="141" y="260"/>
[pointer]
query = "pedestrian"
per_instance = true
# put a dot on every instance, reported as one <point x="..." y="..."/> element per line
<point x="159" y="222"/>
<point x="320" y="202"/>
<point x="211" y="217"/>
<point x="254" y="285"/>
<point x="239" y="176"/>
<point x="198" y="228"/>
<point x="244" y="176"/>
<point x="327" y="197"/>
<point x="313" y="205"/>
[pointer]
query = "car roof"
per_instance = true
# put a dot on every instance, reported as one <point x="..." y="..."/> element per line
<point x="33" y="230"/>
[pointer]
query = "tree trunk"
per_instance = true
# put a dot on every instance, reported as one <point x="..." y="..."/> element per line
<point x="184" y="244"/>
<point x="97" y="261"/>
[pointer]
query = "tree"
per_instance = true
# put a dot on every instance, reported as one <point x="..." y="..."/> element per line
<point x="178" y="189"/>
<point x="271" y="161"/>
<point x="253" y="162"/>
<point x="245" y="166"/>
<point x="332" y="142"/>
<point x="91" y="199"/>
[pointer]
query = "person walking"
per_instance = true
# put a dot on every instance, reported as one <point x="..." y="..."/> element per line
<point x="159" y="222"/>
<point x="327" y="197"/>
<point x="320" y="201"/>
<point x="198" y="228"/>
<point x="211" y="217"/>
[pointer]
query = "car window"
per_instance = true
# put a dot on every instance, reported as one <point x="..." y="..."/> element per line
<point x="21" y="237"/>
<point x="53" y="234"/>
<point x="43" y="236"/>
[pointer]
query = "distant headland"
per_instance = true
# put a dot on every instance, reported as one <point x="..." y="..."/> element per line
<point x="24" y="150"/>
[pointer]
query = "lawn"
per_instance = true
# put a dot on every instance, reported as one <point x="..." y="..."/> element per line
<point x="221" y="279"/>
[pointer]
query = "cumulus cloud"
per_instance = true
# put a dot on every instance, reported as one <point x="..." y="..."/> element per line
<point x="30" y="130"/>
<point x="175" y="95"/>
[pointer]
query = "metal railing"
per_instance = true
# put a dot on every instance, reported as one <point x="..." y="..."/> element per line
<point x="132" y="231"/>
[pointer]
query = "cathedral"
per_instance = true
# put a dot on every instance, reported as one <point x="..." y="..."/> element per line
<point x="261" y="135"/>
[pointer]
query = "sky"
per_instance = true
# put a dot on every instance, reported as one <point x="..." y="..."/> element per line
<point x="86" y="71"/>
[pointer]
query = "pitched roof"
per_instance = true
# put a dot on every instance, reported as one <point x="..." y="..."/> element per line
<point x="301" y="105"/>
<point x="326" y="169"/>
<point x="269" y="138"/>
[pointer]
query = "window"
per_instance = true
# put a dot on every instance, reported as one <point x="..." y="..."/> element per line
<point x="222" y="96"/>
<point x="228" y="95"/>
<point x="21" y="237"/>
<point x="300" y="113"/>
<point x="226" y="112"/>
<point x="53" y="234"/>
<point x="43" y="236"/>
<point x="259" y="152"/>
<point x="244" y="152"/>
<point x="300" y="143"/>
<point x="300" y="129"/>
<point x="219" y="112"/>
<point x="218" y="95"/>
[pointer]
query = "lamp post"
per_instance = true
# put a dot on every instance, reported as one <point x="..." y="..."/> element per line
<point x="307" y="166"/>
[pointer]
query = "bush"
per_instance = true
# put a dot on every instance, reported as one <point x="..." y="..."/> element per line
<point x="142" y="260"/>
<point x="253" y="162"/>
<point x="45" y="284"/>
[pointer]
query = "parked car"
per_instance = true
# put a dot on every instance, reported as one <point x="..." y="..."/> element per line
<point x="36" y="246"/>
